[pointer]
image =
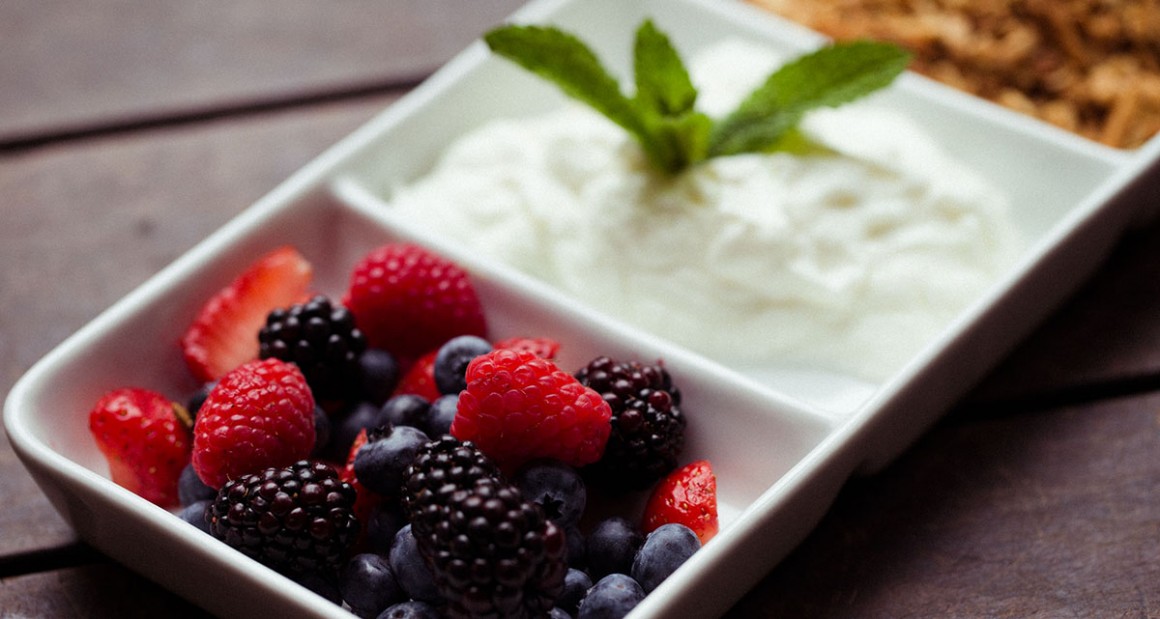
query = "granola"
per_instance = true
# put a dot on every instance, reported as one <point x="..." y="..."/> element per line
<point x="1089" y="66"/>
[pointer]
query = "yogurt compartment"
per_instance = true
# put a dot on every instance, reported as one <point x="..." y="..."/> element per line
<point x="783" y="442"/>
<point x="848" y="260"/>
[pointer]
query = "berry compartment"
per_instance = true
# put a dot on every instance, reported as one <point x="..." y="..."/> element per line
<point x="753" y="442"/>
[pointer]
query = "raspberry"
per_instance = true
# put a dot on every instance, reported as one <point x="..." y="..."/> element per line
<point x="543" y="346"/>
<point x="259" y="415"/>
<point x="409" y="301"/>
<point x="648" y="427"/>
<point x="518" y="406"/>
<point x="295" y="519"/>
<point x="321" y="340"/>
<point x="144" y="442"/>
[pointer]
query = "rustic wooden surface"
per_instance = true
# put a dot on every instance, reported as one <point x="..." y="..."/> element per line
<point x="130" y="131"/>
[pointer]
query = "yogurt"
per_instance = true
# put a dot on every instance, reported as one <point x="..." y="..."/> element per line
<point x="849" y="260"/>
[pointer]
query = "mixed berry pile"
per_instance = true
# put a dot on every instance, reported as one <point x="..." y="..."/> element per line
<point x="383" y="451"/>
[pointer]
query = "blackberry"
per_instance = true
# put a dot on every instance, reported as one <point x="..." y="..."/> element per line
<point x="442" y="466"/>
<point x="648" y="427"/>
<point x="322" y="340"/>
<point x="493" y="553"/>
<point x="295" y="519"/>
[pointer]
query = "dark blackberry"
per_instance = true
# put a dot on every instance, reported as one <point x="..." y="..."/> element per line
<point x="322" y="340"/>
<point x="442" y="466"/>
<point x="648" y="427"/>
<point x="295" y="519"/>
<point x="493" y="553"/>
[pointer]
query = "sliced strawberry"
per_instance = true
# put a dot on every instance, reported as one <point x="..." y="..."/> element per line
<point x="686" y="496"/>
<point x="543" y="347"/>
<point x="225" y="333"/>
<point x="143" y="440"/>
<point x="420" y="379"/>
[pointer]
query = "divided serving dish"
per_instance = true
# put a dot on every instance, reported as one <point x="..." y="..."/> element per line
<point x="781" y="445"/>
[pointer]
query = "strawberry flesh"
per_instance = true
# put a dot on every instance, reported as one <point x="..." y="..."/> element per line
<point x="686" y="496"/>
<point x="224" y="334"/>
<point x="143" y="441"/>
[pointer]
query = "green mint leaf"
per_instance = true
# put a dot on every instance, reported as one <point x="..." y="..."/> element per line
<point x="566" y="61"/>
<point x="682" y="141"/>
<point x="829" y="77"/>
<point x="662" y="82"/>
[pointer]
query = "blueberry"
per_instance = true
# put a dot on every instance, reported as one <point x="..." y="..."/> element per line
<point x="612" y="597"/>
<point x="382" y="461"/>
<point x="368" y="585"/>
<point x="404" y="410"/>
<point x="412" y="609"/>
<point x="441" y="414"/>
<point x="198" y="398"/>
<point x="349" y="423"/>
<point x="190" y="488"/>
<point x="558" y="613"/>
<point x="378" y="375"/>
<point x="321" y="431"/>
<point x="611" y="546"/>
<point x="384" y="522"/>
<point x="577" y="548"/>
<point x="410" y="569"/>
<point x="556" y="487"/>
<point x="194" y="514"/>
<point x="663" y="551"/>
<point x="576" y="585"/>
<point x="451" y="361"/>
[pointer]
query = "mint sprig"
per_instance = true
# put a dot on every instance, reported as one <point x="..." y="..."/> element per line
<point x="662" y="114"/>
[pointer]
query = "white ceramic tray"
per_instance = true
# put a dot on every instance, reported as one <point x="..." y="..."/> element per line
<point x="781" y="447"/>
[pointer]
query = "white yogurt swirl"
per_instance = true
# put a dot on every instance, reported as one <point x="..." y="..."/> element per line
<point x="848" y="261"/>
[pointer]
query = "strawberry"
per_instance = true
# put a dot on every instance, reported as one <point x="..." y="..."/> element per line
<point x="686" y="496"/>
<point x="542" y="346"/>
<point x="409" y="301"/>
<point x="420" y="379"/>
<point x="518" y="406"/>
<point x="145" y="443"/>
<point x="224" y="334"/>
<point x="260" y="415"/>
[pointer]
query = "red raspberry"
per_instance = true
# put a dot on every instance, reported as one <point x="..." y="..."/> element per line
<point x="543" y="346"/>
<point x="146" y="445"/>
<point x="260" y="415"/>
<point x="518" y="406"/>
<point x="409" y="301"/>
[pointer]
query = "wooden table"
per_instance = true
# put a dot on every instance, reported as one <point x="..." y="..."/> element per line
<point x="129" y="131"/>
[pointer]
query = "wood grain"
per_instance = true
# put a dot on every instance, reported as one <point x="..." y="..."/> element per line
<point x="91" y="592"/>
<point x="1045" y="514"/>
<point x="72" y="65"/>
<point x="85" y="224"/>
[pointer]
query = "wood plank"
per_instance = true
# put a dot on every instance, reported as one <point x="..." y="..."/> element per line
<point x="84" y="225"/>
<point x="69" y="65"/>
<point x="91" y="591"/>
<point x="1039" y="515"/>
<point x="1102" y="342"/>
